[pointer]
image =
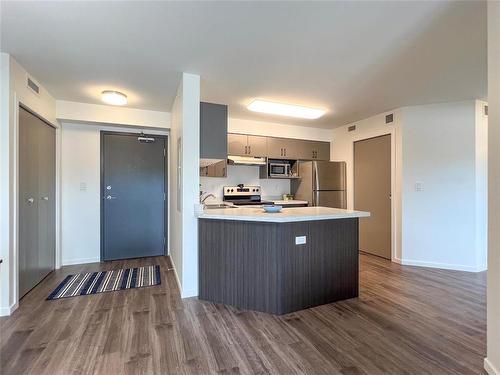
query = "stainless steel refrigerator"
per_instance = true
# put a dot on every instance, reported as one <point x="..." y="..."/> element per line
<point x="321" y="183"/>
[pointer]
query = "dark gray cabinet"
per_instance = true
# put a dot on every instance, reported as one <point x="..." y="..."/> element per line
<point x="213" y="131"/>
<point x="247" y="145"/>
<point x="36" y="200"/>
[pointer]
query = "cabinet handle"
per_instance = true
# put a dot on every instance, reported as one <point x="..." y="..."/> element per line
<point x="44" y="198"/>
<point x="249" y="148"/>
<point x="246" y="149"/>
<point x="284" y="152"/>
<point x="281" y="152"/>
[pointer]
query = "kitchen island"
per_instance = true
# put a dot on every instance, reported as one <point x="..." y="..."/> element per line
<point x="278" y="262"/>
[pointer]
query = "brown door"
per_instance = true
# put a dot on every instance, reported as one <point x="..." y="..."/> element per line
<point x="372" y="192"/>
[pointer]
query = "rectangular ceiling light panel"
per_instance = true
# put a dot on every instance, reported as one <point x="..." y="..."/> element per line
<point x="282" y="109"/>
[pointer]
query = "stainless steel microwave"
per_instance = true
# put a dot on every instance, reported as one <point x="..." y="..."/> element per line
<point x="279" y="169"/>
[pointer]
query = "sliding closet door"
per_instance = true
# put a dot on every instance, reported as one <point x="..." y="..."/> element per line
<point x="36" y="200"/>
<point x="46" y="198"/>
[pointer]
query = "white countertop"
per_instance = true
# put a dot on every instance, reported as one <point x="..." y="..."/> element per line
<point x="291" y="214"/>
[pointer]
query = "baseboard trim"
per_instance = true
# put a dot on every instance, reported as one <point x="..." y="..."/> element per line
<point x="490" y="369"/>
<point x="6" y="311"/>
<point x="71" y="262"/>
<point x="445" y="266"/>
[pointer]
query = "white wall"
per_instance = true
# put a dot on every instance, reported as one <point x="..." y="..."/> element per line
<point x="271" y="129"/>
<point x="439" y="152"/>
<point x="107" y="114"/>
<point x="14" y="92"/>
<point x="342" y="149"/>
<point x="80" y="186"/>
<point x="184" y="192"/>
<point x="443" y="147"/>
<point x="249" y="175"/>
<point x="492" y="363"/>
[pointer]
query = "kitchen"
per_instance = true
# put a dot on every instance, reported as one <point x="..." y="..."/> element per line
<point x="288" y="197"/>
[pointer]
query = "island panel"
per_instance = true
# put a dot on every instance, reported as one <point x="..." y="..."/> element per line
<point x="257" y="266"/>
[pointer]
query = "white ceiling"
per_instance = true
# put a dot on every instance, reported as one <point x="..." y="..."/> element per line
<point x="355" y="59"/>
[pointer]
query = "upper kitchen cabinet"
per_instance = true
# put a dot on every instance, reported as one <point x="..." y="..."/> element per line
<point x="213" y="131"/>
<point x="284" y="148"/>
<point x="247" y="145"/>
<point x="314" y="150"/>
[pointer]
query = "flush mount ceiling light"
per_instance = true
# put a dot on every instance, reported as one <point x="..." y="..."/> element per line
<point x="282" y="109"/>
<point x="114" y="97"/>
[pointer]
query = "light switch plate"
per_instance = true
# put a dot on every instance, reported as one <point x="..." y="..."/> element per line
<point x="419" y="186"/>
<point x="300" y="240"/>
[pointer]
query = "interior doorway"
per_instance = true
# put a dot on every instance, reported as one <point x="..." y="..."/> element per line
<point x="133" y="195"/>
<point x="372" y="192"/>
<point x="36" y="203"/>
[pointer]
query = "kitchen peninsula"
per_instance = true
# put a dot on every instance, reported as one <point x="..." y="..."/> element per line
<point x="278" y="262"/>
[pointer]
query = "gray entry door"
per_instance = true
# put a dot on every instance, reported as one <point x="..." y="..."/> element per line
<point x="372" y="192"/>
<point x="36" y="200"/>
<point x="133" y="183"/>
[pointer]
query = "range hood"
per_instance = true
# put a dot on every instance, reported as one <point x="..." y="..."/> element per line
<point x="245" y="160"/>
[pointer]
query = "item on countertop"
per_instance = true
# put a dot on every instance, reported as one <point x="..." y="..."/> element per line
<point x="288" y="197"/>
<point x="272" y="208"/>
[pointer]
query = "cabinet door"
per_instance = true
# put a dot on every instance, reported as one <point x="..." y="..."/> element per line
<point x="237" y="144"/>
<point x="292" y="148"/>
<point x="305" y="150"/>
<point x="257" y="145"/>
<point x="213" y="131"/>
<point x="322" y="150"/>
<point x="276" y="147"/>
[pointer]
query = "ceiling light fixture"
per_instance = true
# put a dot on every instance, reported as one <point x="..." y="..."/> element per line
<point x="114" y="97"/>
<point x="282" y="109"/>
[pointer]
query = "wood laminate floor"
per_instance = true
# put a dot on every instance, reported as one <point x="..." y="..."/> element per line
<point x="407" y="320"/>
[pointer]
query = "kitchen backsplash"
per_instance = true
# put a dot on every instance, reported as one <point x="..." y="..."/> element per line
<point x="248" y="175"/>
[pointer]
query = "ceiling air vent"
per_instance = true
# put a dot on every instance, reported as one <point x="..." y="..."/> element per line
<point x="32" y="85"/>
<point x="389" y="118"/>
<point x="351" y="128"/>
<point x="486" y="110"/>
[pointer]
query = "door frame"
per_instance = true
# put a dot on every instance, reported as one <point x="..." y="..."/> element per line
<point x="166" y="154"/>
<point x="396" y="207"/>
<point x="392" y="182"/>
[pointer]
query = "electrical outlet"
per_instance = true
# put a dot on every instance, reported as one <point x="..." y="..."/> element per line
<point x="300" y="240"/>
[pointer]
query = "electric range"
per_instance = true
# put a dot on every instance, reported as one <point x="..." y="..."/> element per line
<point x="242" y="195"/>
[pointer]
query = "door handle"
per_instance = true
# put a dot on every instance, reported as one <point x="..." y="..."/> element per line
<point x="44" y="198"/>
<point x="30" y="200"/>
<point x="109" y="197"/>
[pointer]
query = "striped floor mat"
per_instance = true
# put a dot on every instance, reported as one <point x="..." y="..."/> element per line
<point x="83" y="284"/>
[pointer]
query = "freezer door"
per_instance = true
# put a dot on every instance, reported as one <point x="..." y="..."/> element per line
<point x="332" y="198"/>
<point x="328" y="175"/>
